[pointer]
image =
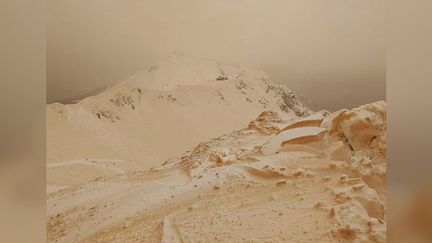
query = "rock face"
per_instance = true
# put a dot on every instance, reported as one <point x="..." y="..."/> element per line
<point x="317" y="178"/>
<point x="156" y="115"/>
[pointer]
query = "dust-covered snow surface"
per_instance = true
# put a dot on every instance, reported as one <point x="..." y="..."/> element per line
<point x="155" y="115"/>
<point x="197" y="162"/>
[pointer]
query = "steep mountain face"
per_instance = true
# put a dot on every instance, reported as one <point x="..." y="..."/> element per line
<point x="157" y="114"/>
<point x="317" y="178"/>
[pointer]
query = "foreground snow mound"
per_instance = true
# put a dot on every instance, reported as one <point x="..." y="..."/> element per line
<point x="232" y="188"/>
<point x="362" y="129"/>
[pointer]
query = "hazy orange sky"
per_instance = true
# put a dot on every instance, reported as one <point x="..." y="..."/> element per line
<point x="332" y="51"/>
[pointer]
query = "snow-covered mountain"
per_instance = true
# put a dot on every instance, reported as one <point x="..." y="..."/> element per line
<point x="157" y="114"/>
<point x="160" y="112"/>
<point x="196" y="150"/>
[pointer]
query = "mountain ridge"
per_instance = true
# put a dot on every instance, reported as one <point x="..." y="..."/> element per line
<point x="142" y="125"/>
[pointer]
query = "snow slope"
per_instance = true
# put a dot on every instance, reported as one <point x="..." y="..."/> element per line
<point x="329" y="189"/>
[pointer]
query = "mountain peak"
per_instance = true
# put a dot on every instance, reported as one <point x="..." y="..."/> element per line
<point x="182" y="70"/>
